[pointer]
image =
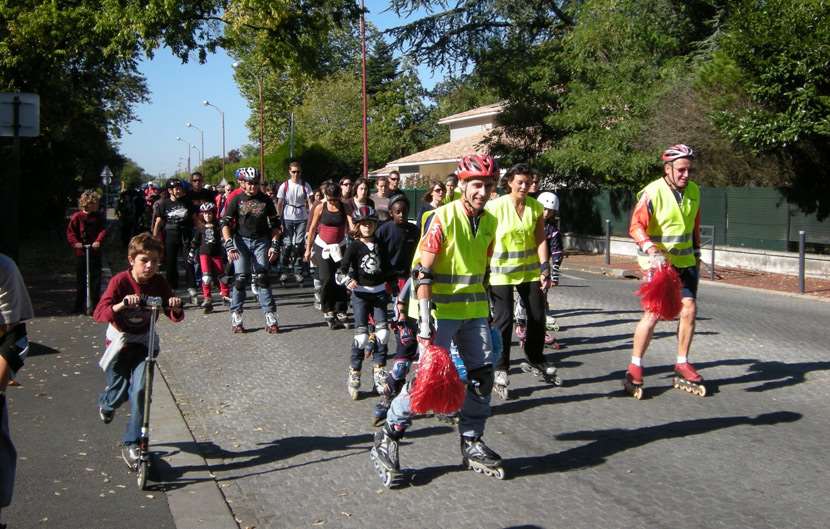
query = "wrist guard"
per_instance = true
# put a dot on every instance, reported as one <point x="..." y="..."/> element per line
<point x="545" y="269"/>
<point x="229" y="245"/>
<point x="275" y="244"/>
<point x="424" y="319"/>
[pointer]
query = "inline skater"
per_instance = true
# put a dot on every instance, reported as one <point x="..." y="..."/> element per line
<point x="124" y="358"/>
<point x="175" y="217"/>
<point x="520" y="261"/>
<point x="449" y="269"/>
<point x="325" y="246"/>
<point x="380" y="198"/>
<point x="253" y="217"/>
<point x="87" y="227"/>
<point x="665" y="225"/>
<point x="208" y="242"/>
<point x="451" y="185"/>
<point x="294" y="201"/>
<point x="362" y="272"/>
<point x="400" y="238"/>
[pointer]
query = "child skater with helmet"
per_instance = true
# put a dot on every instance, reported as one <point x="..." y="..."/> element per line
<point x="208" y="242"/>
<point x="362" y="272"/>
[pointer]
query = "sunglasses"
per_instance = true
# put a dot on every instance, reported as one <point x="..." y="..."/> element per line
<point x="345" y="183"/>
<point x="394" y="179"/>
<point x="438" y="190"/>
<point x="295" y="172"/>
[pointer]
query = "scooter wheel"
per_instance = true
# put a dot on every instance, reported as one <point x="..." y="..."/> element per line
<point x="141" y="475"/>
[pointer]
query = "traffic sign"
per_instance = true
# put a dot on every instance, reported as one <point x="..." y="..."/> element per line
<point x="106" y="175"/>
<point x="19" y="114"/>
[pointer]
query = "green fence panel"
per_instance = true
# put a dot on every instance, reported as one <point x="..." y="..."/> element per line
<point x="757" y="218"/>
<point x="817" y="232"/>
<point x="713" y="211"/>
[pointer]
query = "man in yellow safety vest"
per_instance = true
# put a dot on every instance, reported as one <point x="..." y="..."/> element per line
<point x="449" y="274"/>
<point x="665" y="225"/>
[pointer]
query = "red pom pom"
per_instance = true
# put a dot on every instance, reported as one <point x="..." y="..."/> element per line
<point x="437" y="386"/>
<point x="660" y="292"/>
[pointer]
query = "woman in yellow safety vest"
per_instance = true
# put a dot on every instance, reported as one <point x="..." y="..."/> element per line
<point x="520" y="261"/>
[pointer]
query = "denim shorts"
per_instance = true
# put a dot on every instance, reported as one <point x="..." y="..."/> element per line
<point x="689" y="278"/>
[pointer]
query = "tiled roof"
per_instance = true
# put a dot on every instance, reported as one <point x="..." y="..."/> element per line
<point x="486" y="110"/>
<point x="451" y="151"/>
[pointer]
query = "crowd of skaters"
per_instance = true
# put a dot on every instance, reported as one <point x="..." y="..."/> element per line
<point x="450" y="277"/>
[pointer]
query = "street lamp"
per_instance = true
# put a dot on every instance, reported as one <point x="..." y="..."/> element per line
<point x="197" y="150"/>
<point x="222" y="114"/>
<point x="261" y="122"/>
<point x="179" y="138"/>
<point x="202" y="150"/>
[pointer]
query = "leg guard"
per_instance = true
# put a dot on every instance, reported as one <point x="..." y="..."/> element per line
<point x="207" y="280"/>
<point x="361" y="338"/>
<point x="481" y="380"/>
<point x="261" y="280"/>
<point x="382" y="333"/>
<point x="241" y="282"/>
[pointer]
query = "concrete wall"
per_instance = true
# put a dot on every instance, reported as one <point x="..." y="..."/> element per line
<point x="816" y="266"/>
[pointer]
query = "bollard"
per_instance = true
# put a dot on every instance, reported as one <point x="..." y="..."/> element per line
<point x="607" y="241"/>
<point x="802" y="242"/>
<point x="712" y="256"/>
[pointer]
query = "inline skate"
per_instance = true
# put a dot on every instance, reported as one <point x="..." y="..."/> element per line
<point x="551" y="328"/>
<point x="478" y="457"/>
<point x="384" y="456"/>
<point x="546" y="371"/>
<point x="236" y="323"/>
<point x="271" y="326"/>
<point x="633" y="381"/>
<point x="354" y="383"/>
<point x="688" y="379"/>
<point x="500" y="383"/>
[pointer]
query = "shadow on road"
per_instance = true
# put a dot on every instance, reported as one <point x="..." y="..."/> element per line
<point x="38" y="349"/>
<point x="606" y="443"/>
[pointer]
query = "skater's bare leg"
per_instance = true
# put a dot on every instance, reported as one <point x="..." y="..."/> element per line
<point x="643" y="334"/>
<point x="686" y="327"/>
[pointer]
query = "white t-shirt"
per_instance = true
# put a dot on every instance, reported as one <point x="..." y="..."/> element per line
<point x="296" y="199"/>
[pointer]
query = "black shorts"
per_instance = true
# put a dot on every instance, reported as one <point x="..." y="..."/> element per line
<point x="689" y="278"/>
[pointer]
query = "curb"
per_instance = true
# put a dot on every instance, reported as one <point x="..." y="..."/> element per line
<point x="622" y="273"/>
<point x="194" y="497"/>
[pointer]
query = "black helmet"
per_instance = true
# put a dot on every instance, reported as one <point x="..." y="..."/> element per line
<point x="174" y="182"/>
<point x="364" y="213"/>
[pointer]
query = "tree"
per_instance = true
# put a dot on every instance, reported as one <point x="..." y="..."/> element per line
<point x="233" y="156"/>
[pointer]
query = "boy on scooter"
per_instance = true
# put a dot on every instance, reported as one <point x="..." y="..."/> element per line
<point x="127" y="334"/>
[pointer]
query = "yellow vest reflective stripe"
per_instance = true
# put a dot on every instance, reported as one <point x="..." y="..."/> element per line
<point x="671" y="224"/>
<point x="515" y="257"/>
<point x="458" y="271"/>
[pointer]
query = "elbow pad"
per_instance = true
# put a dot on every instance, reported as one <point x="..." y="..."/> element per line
<point x="421" y="275"/>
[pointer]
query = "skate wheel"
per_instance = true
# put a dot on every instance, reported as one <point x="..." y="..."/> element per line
<point x="701" y="391"/>
<point x="498" y="473"/>
<point x="638" y="393"/>
<point x="353" y="394"/>
<point x="557" y="381"/>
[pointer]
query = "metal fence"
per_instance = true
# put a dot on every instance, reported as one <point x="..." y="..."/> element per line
<point x="759" y="218"/>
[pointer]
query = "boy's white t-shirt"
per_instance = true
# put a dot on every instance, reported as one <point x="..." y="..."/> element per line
<point x="296" y="199"/>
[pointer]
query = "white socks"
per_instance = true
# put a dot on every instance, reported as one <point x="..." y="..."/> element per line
<point x="636" y="360"/>
<point x="681" y="360"/>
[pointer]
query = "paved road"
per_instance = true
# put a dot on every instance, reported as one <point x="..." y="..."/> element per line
<point x="289" y="449"/>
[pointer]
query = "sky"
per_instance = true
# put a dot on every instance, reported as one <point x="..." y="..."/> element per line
<point x="176" y="94"/>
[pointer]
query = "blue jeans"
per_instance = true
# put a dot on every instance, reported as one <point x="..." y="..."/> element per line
<point x="251" y="252"/>
<point x="475" y="347"/>
<point x="362" y="304"/>
<point x="125" y="381"/>
<point x="293" y="245"/>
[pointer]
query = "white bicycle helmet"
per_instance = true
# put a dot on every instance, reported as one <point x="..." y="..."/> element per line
<point x="549" y="200"/>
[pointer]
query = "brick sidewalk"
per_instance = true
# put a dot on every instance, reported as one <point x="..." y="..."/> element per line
<point x="732" y="276"/>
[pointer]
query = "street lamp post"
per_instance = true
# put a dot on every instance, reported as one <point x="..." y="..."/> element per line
<point x="202" y="150"/>
<point x="261" y="122"/>
<point x="189" y="146"/>
<point x="198" y="151"/>
<point x="222" y="114"/>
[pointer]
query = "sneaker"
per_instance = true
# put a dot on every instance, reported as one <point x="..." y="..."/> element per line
<point x="130" y="454"/>
<point x="106" y="415"/>
<point x="271" y="326"/>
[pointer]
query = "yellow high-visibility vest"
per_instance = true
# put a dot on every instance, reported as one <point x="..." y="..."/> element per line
<point x="671" y="224"/>
<point x="458" y="271"/>
<point x="515" y="257"/>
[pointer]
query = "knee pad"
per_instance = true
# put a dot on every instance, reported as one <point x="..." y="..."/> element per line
<point x="262" y="280"/>
<point x="481" y="380"/>
<point x="241" y="281"/>
<point x="361" y="340"/>
<point x="207" y="279"/>
<point x="382" y="334"/>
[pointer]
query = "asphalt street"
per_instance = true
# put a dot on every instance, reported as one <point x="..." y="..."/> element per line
<point x="287" y="447"/>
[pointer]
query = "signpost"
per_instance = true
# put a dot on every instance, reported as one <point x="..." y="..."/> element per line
<point x="19" y="118"/>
